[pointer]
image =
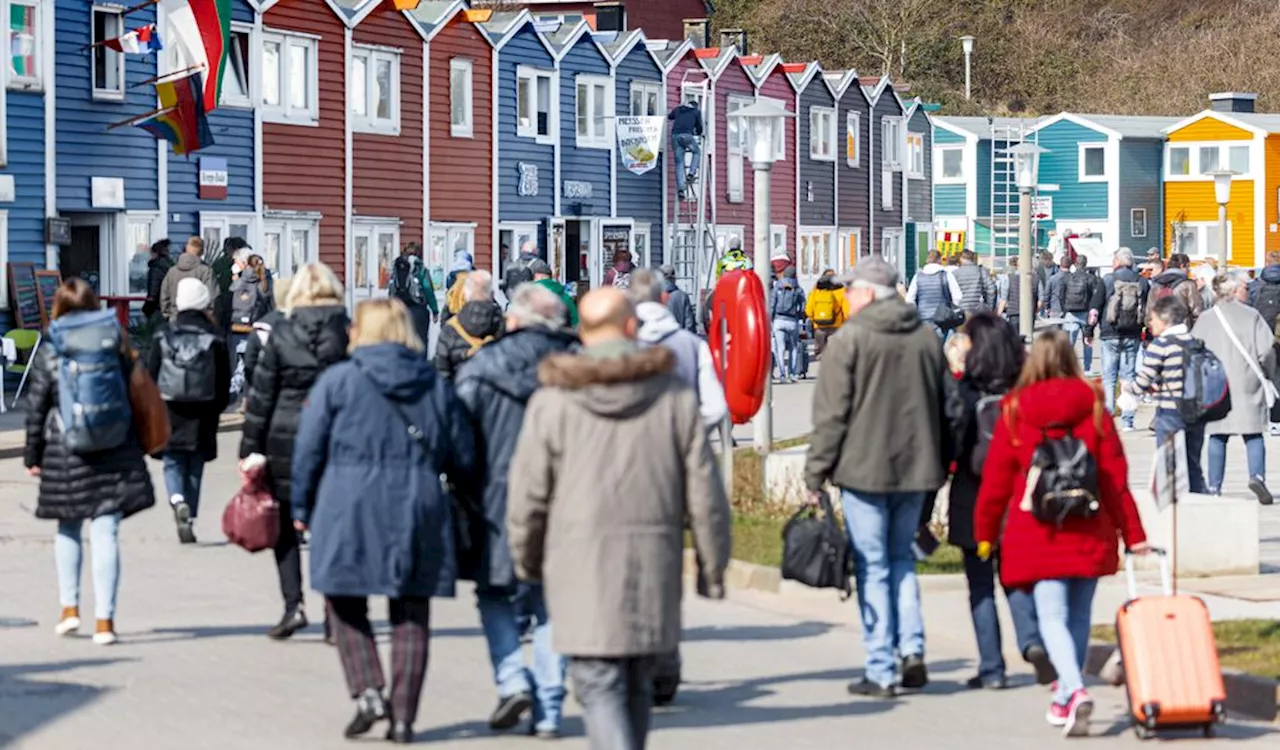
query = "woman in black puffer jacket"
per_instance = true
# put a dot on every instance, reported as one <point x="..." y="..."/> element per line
<point x="312" y="337"/>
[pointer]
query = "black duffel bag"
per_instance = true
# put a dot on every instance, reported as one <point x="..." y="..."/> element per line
<point x="816" y="550"/>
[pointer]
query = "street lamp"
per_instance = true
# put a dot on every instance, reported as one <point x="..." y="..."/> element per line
<point x="1222" y="194"/>
<point x="762" y="120"/>
<point x="966" y="41"/>
<point x="1026" y="168"/>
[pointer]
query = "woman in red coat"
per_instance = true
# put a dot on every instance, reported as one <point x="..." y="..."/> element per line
<point x="1061" y="564"/>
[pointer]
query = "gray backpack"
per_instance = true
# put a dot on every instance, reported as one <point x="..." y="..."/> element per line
<point x="187" y="366"/>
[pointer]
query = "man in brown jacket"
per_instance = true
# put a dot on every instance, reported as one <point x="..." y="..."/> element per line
<point x="612" y="459"/>
<point x="190" y="264"/>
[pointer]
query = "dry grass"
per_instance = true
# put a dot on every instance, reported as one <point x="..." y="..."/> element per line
<point x="1251" y="646"/>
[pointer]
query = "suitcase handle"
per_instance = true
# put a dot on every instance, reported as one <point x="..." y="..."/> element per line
<point x="1166" y="577"/>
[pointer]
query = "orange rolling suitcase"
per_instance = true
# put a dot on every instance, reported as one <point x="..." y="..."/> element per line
<point x="1170" y="659"/>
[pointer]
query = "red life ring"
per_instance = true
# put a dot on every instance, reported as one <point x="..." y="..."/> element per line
<point x="739" y="300"/>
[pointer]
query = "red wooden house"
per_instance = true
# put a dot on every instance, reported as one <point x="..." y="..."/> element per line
<point x="658" y="19"/>
<point x="732" y="186"/>
<point x="770" y="78"/>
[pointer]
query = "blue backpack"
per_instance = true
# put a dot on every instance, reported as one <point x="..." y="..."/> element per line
<point x="1206" y="396"/>
<point x="93" y="395"/>
<point x="788" y="303"/>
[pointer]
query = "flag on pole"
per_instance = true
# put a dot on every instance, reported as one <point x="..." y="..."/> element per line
<point x="141" y="41"/>
<point x="202" y="29"/>
<point x="181" y="119"/>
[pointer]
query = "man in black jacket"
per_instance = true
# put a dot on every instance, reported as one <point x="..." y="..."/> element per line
<point x="495" y="386"/>
<point x="686" y="135"/>
<point x="1120" y="307"/>
<point x="157" y="268"/>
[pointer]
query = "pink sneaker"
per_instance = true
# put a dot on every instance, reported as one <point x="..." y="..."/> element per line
<point x="1079" y="709"/>
<point x="1056" y="715"/>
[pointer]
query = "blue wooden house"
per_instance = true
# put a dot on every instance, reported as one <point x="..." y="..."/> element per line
<point x="214" y="193"/>
<point x="108" y="182"/>
<point x="639" y="91"/>
<point x="1100" y="180"/>
<point x="526" y="89"/>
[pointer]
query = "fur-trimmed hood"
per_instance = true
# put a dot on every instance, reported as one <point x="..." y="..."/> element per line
<point x="618" y="387"/>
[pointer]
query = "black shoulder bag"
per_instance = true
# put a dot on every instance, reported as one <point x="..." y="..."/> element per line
<point x="816" y="551"/>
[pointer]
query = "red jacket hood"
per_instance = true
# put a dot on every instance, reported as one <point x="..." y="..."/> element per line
<point x="1061" y="401"/>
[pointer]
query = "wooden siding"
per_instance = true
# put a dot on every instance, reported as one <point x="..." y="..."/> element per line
<point x="1194" y="202"/>
<point x="524" y="49"/>
<point x="983" y="177"/>
<point x="388" y="168"/>
<point x="1272" y="192"/>
<point x="85" y="149"/>
<point x="886" y="106"/>
<point x="853" y="197"/>
<point x="639" y="196"/>
<point x="582" y="164"/>
<point x="1210" y="129"/>
<point x="1139" y="187"/>
<point x="1074" y="200"/>
<point x="26" y="165"/>
<point x="304" y="168"/>
<point x="462" y="168"/>
<point x="821" y="211"/>
<point x="733" y="82"/>
<point x="950" y="200"/>
<point x="782" y="188"/>
<point x="920" y="189"/>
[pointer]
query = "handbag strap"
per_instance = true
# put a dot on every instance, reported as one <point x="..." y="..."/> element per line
<point x="1252" y="361"/>
<point x="415" y="433"/>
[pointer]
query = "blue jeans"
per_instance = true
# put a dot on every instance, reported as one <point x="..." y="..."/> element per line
<point x="104" y="535"/>
<point x="1255" y="449"/>
<point x="1119" y="362"/>
<point x="183" y="473"/>
<point x="1169" y="422"/>
<point x="786" y="346"/>
<point x="1074" y="331"/>
<point x="1064" y="608"/>
<point x="686" y="143"/>
<point x="500" y="611"/>
<point x="882" y="528"/>
<point x="981" y="576"/>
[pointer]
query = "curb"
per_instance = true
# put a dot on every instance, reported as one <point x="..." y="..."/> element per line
<point x="228" y="423"/>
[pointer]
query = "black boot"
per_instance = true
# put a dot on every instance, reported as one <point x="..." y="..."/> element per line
<point x="370" y="709"/>
<point x="291" y="623"/>
<point x="509" y="711"/>
<point x="400" y="733"/>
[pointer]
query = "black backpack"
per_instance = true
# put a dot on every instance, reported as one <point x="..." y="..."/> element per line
<point x="187" y="366"/>
<point x="1079" y="291"/>
<point x="816" y="550"/>
<point x="986" y="415"/>
<point x="1063" y="481"/>
<point x="518" y="273"/>
<point x="406" y="283"/>
<point x="1267" y="303"/>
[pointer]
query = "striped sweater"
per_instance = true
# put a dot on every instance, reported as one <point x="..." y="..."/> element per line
<point x="1162" y="367"/>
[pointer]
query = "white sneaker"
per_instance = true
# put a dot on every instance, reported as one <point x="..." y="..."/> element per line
<point x="105" y="639"/>
<point x="67" y="625"/>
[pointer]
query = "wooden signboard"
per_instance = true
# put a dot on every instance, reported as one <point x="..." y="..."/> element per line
<point x="47" y="283"/>
<point x="24" y="298"/>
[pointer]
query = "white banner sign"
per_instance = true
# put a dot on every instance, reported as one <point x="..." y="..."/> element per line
<point x="639" y="139"/>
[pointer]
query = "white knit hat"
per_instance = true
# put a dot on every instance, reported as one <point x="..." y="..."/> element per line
<point x="192" y="295"/>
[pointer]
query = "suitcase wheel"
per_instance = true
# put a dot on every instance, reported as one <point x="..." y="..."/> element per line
<point x="1142" y="732"/>
<point x="1209" y="730"/>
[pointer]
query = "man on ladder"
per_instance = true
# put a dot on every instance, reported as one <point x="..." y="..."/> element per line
<point x="686" y="137"/>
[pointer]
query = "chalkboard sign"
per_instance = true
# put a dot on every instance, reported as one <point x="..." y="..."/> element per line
<point x="47" y="283"/>
<point x="24" y="297"/>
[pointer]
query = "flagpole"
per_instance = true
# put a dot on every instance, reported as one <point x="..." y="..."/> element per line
<point x="142" y="116"/>
<point x="139" y="6"/>
<point x="176" y="75"/>
<point x="104" y="42"/>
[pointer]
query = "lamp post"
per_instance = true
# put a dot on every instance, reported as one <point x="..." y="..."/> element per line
<point x="1026" y="168"/>
<point x="966" y="41"/>
<point x="1222" y="194"/>
<point x="762" y="121"/>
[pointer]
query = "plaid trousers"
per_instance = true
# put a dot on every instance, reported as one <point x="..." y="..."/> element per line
<point x="358" y="649"/>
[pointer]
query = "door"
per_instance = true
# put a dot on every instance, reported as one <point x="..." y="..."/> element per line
<point x="83" y="257"/>
<point x="615" y="238"/>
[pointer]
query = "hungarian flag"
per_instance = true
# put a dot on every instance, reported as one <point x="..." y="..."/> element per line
<point x="141" y="41"/>
<point x="181" y="119"/>
<point x="202" y="29"/>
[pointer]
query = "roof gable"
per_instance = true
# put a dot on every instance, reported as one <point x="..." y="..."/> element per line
<point x="563" y="41"/>
<point x="1234" y="119"/>
<point x="503" y="29"/>
<point x="333" y="5"/>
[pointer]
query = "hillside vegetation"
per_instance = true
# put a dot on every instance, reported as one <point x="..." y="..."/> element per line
<point x="1153" y="57"/>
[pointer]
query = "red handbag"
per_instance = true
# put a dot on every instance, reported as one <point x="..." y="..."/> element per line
<point x="252" y="518"/>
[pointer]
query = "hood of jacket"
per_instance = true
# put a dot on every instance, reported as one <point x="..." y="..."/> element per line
<point x="315" y="324"/>
<point x="828" y="284"/>
<point x="196" y="319"/>
<point x="1270" y="274"/>
<point x="395" y="370"/>
<point x="670" y="286"/>
<point x="163" y="262"/>
<point x="892" y="315"/>
<point x="930" y="269"/>
<point x="656" y="322"/>
<point x="614" y="388"/>
<point x="481" y="318"/>
<point x="188" y="262"/>
<point x="250" y="275"/>
<point x="1171" y="277"/>
<point x="510" y="364"/>
<point x="1065" y="401"/>
<point x="552" y="286"/>
<point x="462" y="261"/>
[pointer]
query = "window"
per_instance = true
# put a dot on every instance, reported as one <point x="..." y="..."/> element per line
<point x="592" y="112"/>
<point x="1209" y="161"/>
<point x="377" y="242"/>
<point x="533" y="92"/>
<point x="375" y="90"/>
<point x="852" y="139"/>
<point x="107" y="64"/>
<point x="1138" y="223"/>
<point x="915" y="155"/>
<point x="140" y="239"/>
<point x="952" y="160"/>
<point x="646" y="100"/>
<point x="890" y="241"/>
<point x="289" y="243"/>
<point x="24" y="45"/>
<point x="1202" y="239"/>
<point x="1093" y="163"/>
<point x="447" y="240"/>
<point x="737" y="150"/>
<point x="218" y="228"/>
<point x="822" y="134"/>
<point x="610" y="18"/>
<point x="696" y="93"/>
<point x="1238" y="159"/>
<point x="891" y="147"/>
<point x="1179" y="162"/>
<point x="235" y="82"/>
<point x="290" y="79"/>
<point x="460" y="101"/>
<point x="777" y="240"/>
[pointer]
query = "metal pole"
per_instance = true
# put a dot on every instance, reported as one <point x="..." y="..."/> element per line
<point x="1222" y="232"/>
<point x="764" y="419"/>
<point x="968" y="59"/>
<point x="1026" y="309"/>
<point x="726" y="428"/>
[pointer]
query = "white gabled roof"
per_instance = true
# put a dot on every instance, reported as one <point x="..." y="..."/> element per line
<point x="1113" y="126"/>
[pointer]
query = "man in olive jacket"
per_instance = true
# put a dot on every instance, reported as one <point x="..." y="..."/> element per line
<point x="607" y="542"/>
<point x="880" y="436"/>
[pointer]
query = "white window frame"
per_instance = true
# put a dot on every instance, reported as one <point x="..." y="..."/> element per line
<point x="110" y="95"/>
<point x="1194" y="151"/>
<point x="853" y="121"/>
<point x="642" y="250"/>
<point x="36" y="82"/>
<point x="1191" y="167"/>
<point x="372" y="231"/>
<point x="1134" y="214"/>
<point x="590" y="139"/>
<point x="369" y="122"/>
<point x="465" y="129"/>
<point x="821" y="140"/>
<point x="779" y="134"/>
<point x="530" y="129"/>
<point x="246" y="100"/>
<point x="777" y="240"/>
<point x="115" y="266"/>
<point x="891" y="245"/>
<point x="449" y="232"/>
<point x="892" y="143"/>
<point x="285" y="225"/>
<point x="1201" y="229"/>
<point x="695" y="91"/>
<point x="735" y="166"/>
<point x="4" y="258"/>
<point x="283" y="112"/>
<point x="223" y="222"/>
<point x="644" y="91"/>
<point x="939" y="165"/>
<point x="1083" y="149"/>
<point x="915" y="151"/>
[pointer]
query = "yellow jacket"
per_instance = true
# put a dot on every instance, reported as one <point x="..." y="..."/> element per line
<point x="823" y="296"/>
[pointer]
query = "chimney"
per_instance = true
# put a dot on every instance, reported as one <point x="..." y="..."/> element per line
<point x="1232" y="101"/>
<point x="734" y="37"/>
